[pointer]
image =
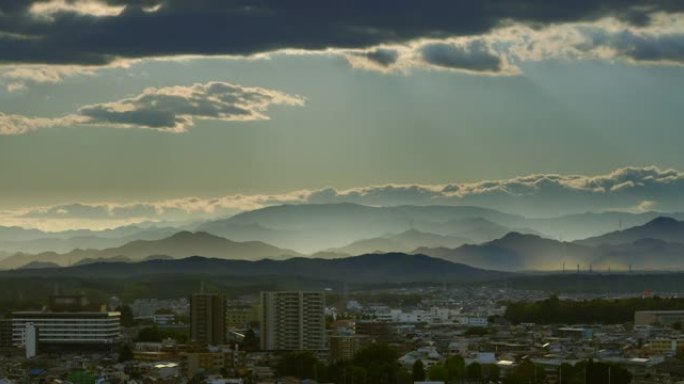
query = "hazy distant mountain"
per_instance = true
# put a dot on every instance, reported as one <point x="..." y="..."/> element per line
<point x="182" y="244"/>
<point x="157" y="257"/>
<point x="402" y="242"/>
<point x="39" y="265"/>
<point x="652" y="246"/>
<point x="113" y="259"/>
<point x="314" y="227"/>
<point x="480" y="230"/>
<point x="19" y="234"/>
<point x="643" y="254"/>
<point x="47" y="244"/>
<point x="66" y="241"/>
<point x="516" y="252"/>
<point x="581" y="226"/>
<point x="393" y="267"/>
<point x="660" y="228"/>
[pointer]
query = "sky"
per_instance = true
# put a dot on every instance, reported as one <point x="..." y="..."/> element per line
<point x="120" y="111"/>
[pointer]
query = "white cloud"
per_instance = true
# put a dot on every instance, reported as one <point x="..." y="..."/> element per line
<point x="174" y="109"/>
<point x="20" y="77"/>
<point x="168" y="109"/>
<point x="18" y="124"/>
<point x="81" y="7"/>
<point x="16" y="86"/>
<point x="634" y="189"/>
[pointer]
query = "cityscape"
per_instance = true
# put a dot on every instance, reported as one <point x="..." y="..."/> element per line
<point x="341" y="192"/>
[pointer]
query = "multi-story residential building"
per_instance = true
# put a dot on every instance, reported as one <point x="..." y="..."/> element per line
<point x="207" y="318"/>
<point x="345" y="347"/>
<point x="63" y="329"/>
<point x="239" y="316"/>
<point x="293" y="321"/>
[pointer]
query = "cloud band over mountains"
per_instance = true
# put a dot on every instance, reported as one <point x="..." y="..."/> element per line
<point x="631" y="188"/>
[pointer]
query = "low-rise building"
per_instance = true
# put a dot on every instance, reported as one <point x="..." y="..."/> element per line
<point x="662" y="318"/>
<point x="68" y="329"/>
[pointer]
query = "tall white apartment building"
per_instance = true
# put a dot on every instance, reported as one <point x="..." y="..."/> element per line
<point x="293" y="321"/>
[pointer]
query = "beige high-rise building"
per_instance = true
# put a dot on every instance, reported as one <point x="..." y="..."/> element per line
<point x="293" y="321"/>
<point x="208" y="318"/>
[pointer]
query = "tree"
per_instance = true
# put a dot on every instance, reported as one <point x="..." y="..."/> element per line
<point x="438" y="372"/>
<point x="491" y="372"/>
<point x="151" y="334"/>
<point x="418" y="371"/>
<point x="127" y="319"/>
<point x="598" y="373"/>
<point x="344" y="372"/>
<point x="303" y="365"/>
<point x="474" y="371"/>
<point x="455" y="365"/>
<point x="476" y="331"/>
<point x="125" y="353"/>
<point x="250" y="343"/>
<point x="380" y="363"/>
<point x="524" y="373"/>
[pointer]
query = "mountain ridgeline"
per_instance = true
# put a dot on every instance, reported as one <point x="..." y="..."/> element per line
<point x="478" y="237"/>
<point x="366" y="269"/>
<point x="179" y="245"/>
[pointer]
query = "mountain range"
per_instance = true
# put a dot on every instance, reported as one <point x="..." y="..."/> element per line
<point x="393" y="267"/>
<point x="179" y="245"/>
<point x="314" y="227"/>
<point x="475" y="236"/>
<point x="656" y="245"/>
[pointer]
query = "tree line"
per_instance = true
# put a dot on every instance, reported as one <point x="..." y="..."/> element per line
<point x="555" y="311"/>
<point x="379" y="364"/>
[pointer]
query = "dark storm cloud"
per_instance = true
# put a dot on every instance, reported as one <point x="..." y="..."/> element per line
<point x="382" y="56"/>
<point x="473" y="56"/>
<point x="643" y="47"/>
<point x="238" y="27"/>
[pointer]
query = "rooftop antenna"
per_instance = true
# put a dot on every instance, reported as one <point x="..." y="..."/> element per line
<point x="591" y="267"/>
<point x="578" y="268"/>
<point x="564" y="267"/>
